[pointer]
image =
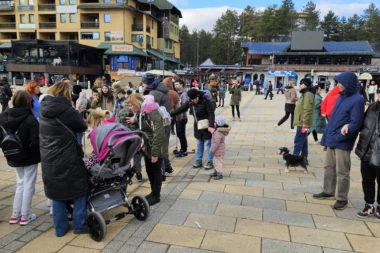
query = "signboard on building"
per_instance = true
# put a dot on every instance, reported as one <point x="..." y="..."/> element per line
<point x="117" y="36"/>
<point x="281" y="73"/>
<point x="122" y="48"/>
<point x="369" y="69"/>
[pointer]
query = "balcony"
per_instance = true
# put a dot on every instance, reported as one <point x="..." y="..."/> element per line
<point x="89" y="25"/>
<point x="48" y="25"/>
<point x="7" y="25"/>
<point x="25" y="8"/>
<point x="148" y="29"/>
<point x="46" y="7"/>
<point x="174" y="19"/>
<point x="137" y="27"/>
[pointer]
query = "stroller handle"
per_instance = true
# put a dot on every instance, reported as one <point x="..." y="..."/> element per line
<point x="144" y="135"/>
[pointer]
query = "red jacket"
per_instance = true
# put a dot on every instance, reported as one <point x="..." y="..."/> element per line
<point x="329" y="102"/>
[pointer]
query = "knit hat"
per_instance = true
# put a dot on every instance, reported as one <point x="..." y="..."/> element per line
<point x="220" y="120"/>
<point x="192" y="93"/>
<point x="305" y="81"/>
<point x="211" y="77"/>
<point x="148" y="78"/>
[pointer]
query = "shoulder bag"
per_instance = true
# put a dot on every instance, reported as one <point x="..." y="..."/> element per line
<point x="201" y="124"/>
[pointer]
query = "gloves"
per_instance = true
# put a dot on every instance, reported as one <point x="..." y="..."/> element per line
<point x="304" y="129"/>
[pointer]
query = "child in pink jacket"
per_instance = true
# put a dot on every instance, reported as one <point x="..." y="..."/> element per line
<point x="218" y="146"/>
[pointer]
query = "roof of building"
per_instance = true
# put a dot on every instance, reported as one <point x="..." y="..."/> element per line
<point x="104" y="6"/>
<point x="207" y="62"/>
<point x="6" y="45"/>
<point x="266" y="48"/>
<point x="162" y="5"/>
<point x="108" y="46"/>
<point x="160" y="54"/>
<point x="377" y="55"/>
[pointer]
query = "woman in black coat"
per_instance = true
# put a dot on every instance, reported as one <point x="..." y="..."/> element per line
<point x="201" y="108"/>
<point x="20" y="119"/>
<point x="5" y="93"/>
<point x="63" y="171"/>
<point x="363" y="150"/>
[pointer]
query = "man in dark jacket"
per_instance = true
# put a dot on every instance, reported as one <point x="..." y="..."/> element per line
<point x="182" y="121"/>
<point x="269" y="91"/>
<point x="160" y="93"/>
<point x="339" y="137"/>
<point x="201" y="108"/>
<point x="5" y="93"/>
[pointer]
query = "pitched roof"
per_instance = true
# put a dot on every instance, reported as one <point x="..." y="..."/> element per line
<point x="161" y="4"/>
<point x="348" y="46"/>
<point x="267" y="47"/>
<point x="207" y="62"/>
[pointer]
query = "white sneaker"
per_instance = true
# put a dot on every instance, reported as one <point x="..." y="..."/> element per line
<point x="293" y="130"/>
<point x="317" y="142"/>
<point x="26" y="219"/>
<point x="286" y="170"/>
<point x="51" y="210"/>
<point x="275" y="127"/>
<point x="305" y="171"/>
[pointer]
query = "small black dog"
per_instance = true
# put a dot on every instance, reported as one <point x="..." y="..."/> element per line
<point x="292" y="160"/>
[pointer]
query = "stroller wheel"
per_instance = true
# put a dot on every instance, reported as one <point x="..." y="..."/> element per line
<point x="140" y="208"/>
<point x="96" y="226"/>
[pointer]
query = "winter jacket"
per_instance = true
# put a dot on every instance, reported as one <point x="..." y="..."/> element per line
<point x="329" y="102"/>
<point x="213" y="88"/>
<point x="372" y="89"/>
<point x="319" y="123"/>
<point x="362" y="92"/>
<point x="22" y="119"/>
<point x="348" y="109"/>
<point x="290" y="95"/>
<point x="184" y="98"/>
<point x="63" y="171"/>
<point x="160" y="93"/>
<point x="218" y="146"/>
<point x="304" y="111"/>
<point x="119" y="105"/>
<point x="235" y="96"/>
<point x="107" y="103"/>
<point x="121" y="118"/>
<point x="270" y="87"/>
<point x="222" y="92"/>
<point x="7" y="90"/>
<point x="204" y="109"/>
<point x="367" y="135"/>
<point x="36" y="108"/>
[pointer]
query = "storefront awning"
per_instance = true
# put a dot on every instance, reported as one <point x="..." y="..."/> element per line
<point x="160" y="55"/>
<point x="6" y="45"/>
<point x="281" y="73"/>
<point x="121" y="49"/>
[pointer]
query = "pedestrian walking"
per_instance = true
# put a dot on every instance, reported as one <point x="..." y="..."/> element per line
<point x="319" y="123"/>
<point x="235" y="101"/>
<point x="372" y="87"/>
<point x="269" y="91"/>
<point x="290" y="104"/>
<point x="222" y="94"/>
<point x="339" y="136"/>
<point x="280" y="87"/>
<point x="34" y="89"/>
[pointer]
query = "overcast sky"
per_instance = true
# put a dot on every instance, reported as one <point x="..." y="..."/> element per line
<point x="202" y="14"/>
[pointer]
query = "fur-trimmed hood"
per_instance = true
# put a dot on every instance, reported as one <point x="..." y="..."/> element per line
<point x="224" y="129"/>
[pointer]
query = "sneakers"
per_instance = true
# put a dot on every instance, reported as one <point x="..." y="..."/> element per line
<point x="213" y="174"/>
<point x="369" y="210"/>
<point x="15" y="218"/>
<point x="293" y="130"/>
<point x="287" y="170"/>
<point x="197" y="164"/>
<point x="209" y="165"/>
<point x="239" y="119"/>
<point x="233" y="118"/>
<point x="275" y="127"/>
<point x="26" y="219"/>
<point x="340" y="204"/>
<point x="153" y="200"/>
<point x="181" y="154"/>
<point x="169" y="172"/>
<point x="317" y="142"/>
<point x="48" y="203"/>
<point x="218" y="176"/>
<point x="323" y="195"/>
<point x="164" y="180"/>
<point x="139" y="177"/>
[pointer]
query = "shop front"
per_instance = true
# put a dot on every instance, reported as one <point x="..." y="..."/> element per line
<point x="283" y="76"/>
<point x="373" y="70"/>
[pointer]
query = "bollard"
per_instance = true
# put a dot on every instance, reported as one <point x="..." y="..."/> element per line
<point x="24" y="81"/>
<point x="89" y="85"/>
<point x="77" y="82"/>
<point x="14" y="80"/>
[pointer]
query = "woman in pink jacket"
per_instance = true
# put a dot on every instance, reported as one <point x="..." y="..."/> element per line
<point x="218" y="146"/>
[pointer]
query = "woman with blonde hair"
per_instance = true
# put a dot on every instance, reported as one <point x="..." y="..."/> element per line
<point x="290" y="104"/>
<point x="63" y="171"/>
<point x="98" y="84"/>
<point x="34" y="89"/>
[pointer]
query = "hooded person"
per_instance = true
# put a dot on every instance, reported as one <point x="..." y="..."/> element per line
<point x="77" y="89"/>
<point x="214" y="89"/>
<point x="339" y="137"/>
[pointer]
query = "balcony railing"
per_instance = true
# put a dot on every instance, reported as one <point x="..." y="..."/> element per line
<point x="48" y="25"/>
<point x="89" y="25"/>
<point x="46" y="7"/>
<point x="148" y="29"/>
<point x="174" y="19"/>
<point x="137" y="27"/>
<point x="90" y="1"/>
<point x="7" y="25"/>
<point x="25" y="8"/>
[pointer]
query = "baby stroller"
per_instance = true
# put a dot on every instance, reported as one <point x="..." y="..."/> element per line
<point x="115" y="146"/>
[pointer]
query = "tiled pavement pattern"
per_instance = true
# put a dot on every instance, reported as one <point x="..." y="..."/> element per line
<point x="255" y="208"/>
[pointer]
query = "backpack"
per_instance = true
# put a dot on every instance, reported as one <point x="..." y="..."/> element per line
<point x="12" y="146"/>
<point x="3" y="95"/>
<point x="166" y="119"/>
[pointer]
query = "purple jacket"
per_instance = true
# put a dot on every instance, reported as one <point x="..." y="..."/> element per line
<point x="218" y="147"/>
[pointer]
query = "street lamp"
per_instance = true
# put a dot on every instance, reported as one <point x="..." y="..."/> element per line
<point x="198" y="59"/>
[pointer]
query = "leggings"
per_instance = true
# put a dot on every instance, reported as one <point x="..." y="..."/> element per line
<point x="285" y="118"/>
<point x="371" y="98"/>
<point x="237" y="110"/>
<point x="315" y="135"/>
<point x="221" y="101"/>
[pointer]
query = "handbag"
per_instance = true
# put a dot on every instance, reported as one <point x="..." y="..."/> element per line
<point x="201" y="124"/>
<point x="375" y="157"/>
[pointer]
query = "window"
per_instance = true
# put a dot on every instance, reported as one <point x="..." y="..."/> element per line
<point x="30" y="2"/>
<point x="72" y="2"/>
<point x="119" y="1"/>
<point x="106" y="1"/>
<point x="147" y="39"/>
<point x="166" y="44"/>
<point x="90" y="36"/>
<point x="22" y="3"/>
<point x="72" y="18"/>
<point x="137" y="38"/>
<point x="170" y="44"/>
<point x="107" y="18"/>
<point x="62" y="2"/>
<point x="152" y="42"/>
<point x="107" y="36"/>
<point x="31" y="18"/>
<point x="22" y="18"/>
<point x="63" y="18"/>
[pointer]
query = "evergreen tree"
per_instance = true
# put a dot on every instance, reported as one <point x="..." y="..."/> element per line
<point x="311" y="20"/>
<point x="331" y="27"/>
<point x="371" y="25"/>
<point x="265" y="27"/>
<point x="286" y="19"/>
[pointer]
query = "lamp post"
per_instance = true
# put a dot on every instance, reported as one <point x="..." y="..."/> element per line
<point x="198" y="59"/>
<point x="164" y="20"/>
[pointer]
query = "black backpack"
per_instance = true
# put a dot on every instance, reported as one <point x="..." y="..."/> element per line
<point x="12" y="146"/>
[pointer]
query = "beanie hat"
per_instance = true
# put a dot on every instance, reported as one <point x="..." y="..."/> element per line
<point x="306" y="81"/>
<point x="192" y="93"/>
<point x="211" y="77"/>
<point x="220" y="120"/>
<point x="148" y="78"/>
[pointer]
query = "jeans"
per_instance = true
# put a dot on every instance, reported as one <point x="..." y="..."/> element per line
<point x="60" y="218"/>
<point x="26" y="181"/>
<point x="154" y="172"/>
<point x="285" y="118"/>
<point x="370" y="175"/>
<point x="337" y="173"/>
<point x="280" y="89"/>
<point x="181" y="133"/>
<point x="200" y="150"/>
<point x="300" y="143"/>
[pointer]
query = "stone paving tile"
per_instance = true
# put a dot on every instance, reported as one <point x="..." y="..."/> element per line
<point x="264" y="203"/>
<point x="71" y="249"/>
<point x="227" y="242"/>
<point x="327" y="250"/>
<point x="311" y="181"/>
<point x="147" y="247"/>
<point x="211" y="222"/>
<point x="229" y="181"/>
<point x="341" y="225"/>
<point x="317" y="237"/>
<point x="262" y="229"/>
<point x="174" y="217"/>
<point x="285" y="195"/>
<point x="244" y="190"/>
<point x="363" y="243"/>
<point x="263" y="170"/>
<point x="271" y="246"/>
<point x="299" y="173"/>
<point x="178" y="249"/>
<point x="176" y="235"/>
<point x="235" y="168"/>
<point x="357" y="203"/>
<point x="294" y="206"/>
<point x="282" y="179"/>
<point x="29" y="236"/>
<point x="4" y="194"/>
<point x="218" y="197"/>
<point x="247" y="175"/>
<point x="245" y="212"/>
<point x="194" y="206"/>
<point x="6" y="228"/>
<point x="9" y="238"/>
<point x="115" y="245"/>
<point x="265" y="184"/>
<point x="288" y="218"/>
<point x="302" y="188"/>
<point x="351" y="213"/>
<point x="374" y="227"/>
<point x="206" y="187"/>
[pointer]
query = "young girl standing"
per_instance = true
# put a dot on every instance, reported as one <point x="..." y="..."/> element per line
<point x="218" y="146"/>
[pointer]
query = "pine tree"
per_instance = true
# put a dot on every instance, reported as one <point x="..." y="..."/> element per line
<point x="331" y="27"/>
<point x="371" y="18"/>
<point x="311" y="20"/>
<point x="286" y="19"/>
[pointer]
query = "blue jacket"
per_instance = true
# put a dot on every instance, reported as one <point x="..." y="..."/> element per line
<point x="348" y="109"/>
